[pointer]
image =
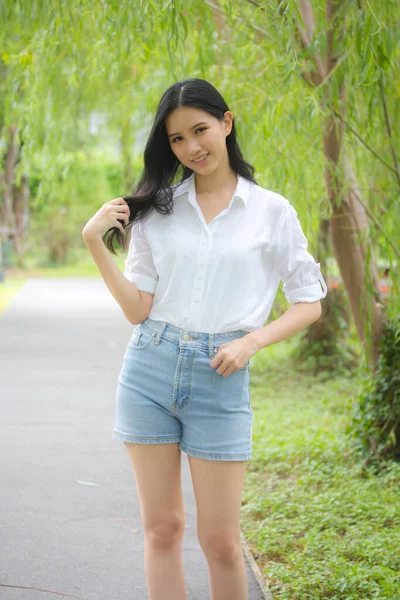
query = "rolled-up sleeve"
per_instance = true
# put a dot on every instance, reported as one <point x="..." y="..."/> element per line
<point x="139" y="265"/>
<point x="301" y="275"/>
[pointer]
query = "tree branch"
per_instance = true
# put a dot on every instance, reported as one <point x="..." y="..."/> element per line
<point x="389" y="130"/>
<point x="307" y="32"/>
<point x="257" y="29"/>
<point x="375" y="220"/>
<point x="354" y="132"/>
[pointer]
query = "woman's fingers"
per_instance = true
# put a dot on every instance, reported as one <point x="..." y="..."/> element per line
<point x="118" y="202"/>
<point x="119" y="225"/>
<point x="120" y="211"/>
<point x="120" y="208"/>
<point x="114" y="213"/>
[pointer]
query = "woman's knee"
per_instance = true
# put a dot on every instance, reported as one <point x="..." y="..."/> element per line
<point x="165" y="531"/>
<point x="221" y="546"/>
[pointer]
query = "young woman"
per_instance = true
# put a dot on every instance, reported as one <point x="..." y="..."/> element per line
<point x="205" y="259"/>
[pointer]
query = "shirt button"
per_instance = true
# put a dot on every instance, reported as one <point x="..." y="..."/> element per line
<point x="186" y="336"/>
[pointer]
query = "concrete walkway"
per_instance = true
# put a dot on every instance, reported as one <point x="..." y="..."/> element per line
<point x="70" y="518"/>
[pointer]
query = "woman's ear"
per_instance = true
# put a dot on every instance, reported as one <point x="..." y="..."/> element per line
<point x="228" y="116"/>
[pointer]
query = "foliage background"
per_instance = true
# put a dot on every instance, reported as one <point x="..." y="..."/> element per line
<point x="82" y="79"/>
<point x="66" y="61"/>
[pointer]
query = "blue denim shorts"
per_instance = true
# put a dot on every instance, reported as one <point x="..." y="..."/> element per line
<point x="168" y="392"/>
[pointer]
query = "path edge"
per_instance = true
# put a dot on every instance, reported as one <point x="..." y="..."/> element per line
<point x="255" y="568"/>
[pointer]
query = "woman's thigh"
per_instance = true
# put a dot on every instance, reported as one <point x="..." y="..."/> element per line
<point x="157" y="470"/>
<point x="218" y="487"/>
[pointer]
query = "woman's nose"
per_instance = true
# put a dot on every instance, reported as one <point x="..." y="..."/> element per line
<point x="194" y="148"/>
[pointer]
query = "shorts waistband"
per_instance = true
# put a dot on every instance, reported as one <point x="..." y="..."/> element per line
<point x="190" y="338"/>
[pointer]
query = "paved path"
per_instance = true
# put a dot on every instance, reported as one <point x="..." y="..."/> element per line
<point x="70" y="517"/>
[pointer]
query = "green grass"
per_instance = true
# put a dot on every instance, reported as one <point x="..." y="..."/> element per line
<point x="8" y="289"/>
<point x="318" y="526"/>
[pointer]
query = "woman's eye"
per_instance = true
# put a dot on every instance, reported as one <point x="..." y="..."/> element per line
<point x="199" y="129"/>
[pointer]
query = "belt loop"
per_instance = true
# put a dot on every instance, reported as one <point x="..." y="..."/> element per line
<point x="210" y="345"/>
<point x="160" y="332"/>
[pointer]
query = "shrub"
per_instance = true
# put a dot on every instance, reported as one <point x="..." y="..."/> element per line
<point x="375" y="425"/>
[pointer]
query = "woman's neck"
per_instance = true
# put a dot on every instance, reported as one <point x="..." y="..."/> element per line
<point x="219" y="180"/>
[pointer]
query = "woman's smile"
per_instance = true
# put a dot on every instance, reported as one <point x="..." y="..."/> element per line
<point x="200" y="162"/>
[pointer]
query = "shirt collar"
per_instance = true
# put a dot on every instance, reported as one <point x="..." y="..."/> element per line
<point x="242" y="190"/>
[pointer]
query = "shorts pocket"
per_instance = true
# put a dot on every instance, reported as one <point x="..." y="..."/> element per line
<point x="246" y="366"/>
<point x="140" y="338"/>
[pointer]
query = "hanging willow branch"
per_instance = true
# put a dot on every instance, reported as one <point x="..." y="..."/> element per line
<point x="389" y="130"/>
<point x="358" y="136"/>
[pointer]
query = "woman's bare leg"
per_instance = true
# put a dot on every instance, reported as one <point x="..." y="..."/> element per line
<point x="218" y="489"/>
<point x="157" y="469"/>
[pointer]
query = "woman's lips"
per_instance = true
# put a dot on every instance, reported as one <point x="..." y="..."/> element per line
<point x="201" y="161"/>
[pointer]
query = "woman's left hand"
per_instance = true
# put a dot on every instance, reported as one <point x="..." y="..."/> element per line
<point x="233" y="356"/>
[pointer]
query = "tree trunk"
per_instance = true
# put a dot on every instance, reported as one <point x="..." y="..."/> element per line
<point x="21" y="212"/>
<point x="14" y="206"/>
<point x="325" y="336"/>
<point x="351" y="243"/>
<point x="7" y="217"/>
<point x="348" y="224"/>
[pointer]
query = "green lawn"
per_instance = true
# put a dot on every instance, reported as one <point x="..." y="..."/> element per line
<point x="8" y="289"/>
<point x="318" y="526"/>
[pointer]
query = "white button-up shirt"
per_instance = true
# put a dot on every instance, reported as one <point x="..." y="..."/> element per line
<point x="225" y="275"/>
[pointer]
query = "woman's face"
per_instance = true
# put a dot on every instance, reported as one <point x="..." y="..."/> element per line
<point x="193" y="133"/>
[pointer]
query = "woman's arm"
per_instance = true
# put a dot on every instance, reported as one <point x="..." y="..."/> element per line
<point x="134" y="306"/>
<point x="296" y="318"/>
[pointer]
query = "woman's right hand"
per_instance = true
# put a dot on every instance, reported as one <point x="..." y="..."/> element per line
<point x="107" y="216"/>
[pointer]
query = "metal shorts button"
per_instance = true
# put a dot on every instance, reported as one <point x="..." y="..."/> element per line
<point x="186" y="336"/>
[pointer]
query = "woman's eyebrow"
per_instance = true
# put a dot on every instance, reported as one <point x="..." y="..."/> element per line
<point x="197" y="124"/>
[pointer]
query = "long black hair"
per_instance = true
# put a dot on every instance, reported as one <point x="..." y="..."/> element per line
<point x="154" y="189"/>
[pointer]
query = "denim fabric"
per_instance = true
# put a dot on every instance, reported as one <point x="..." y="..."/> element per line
<point x="168" y="392"/>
